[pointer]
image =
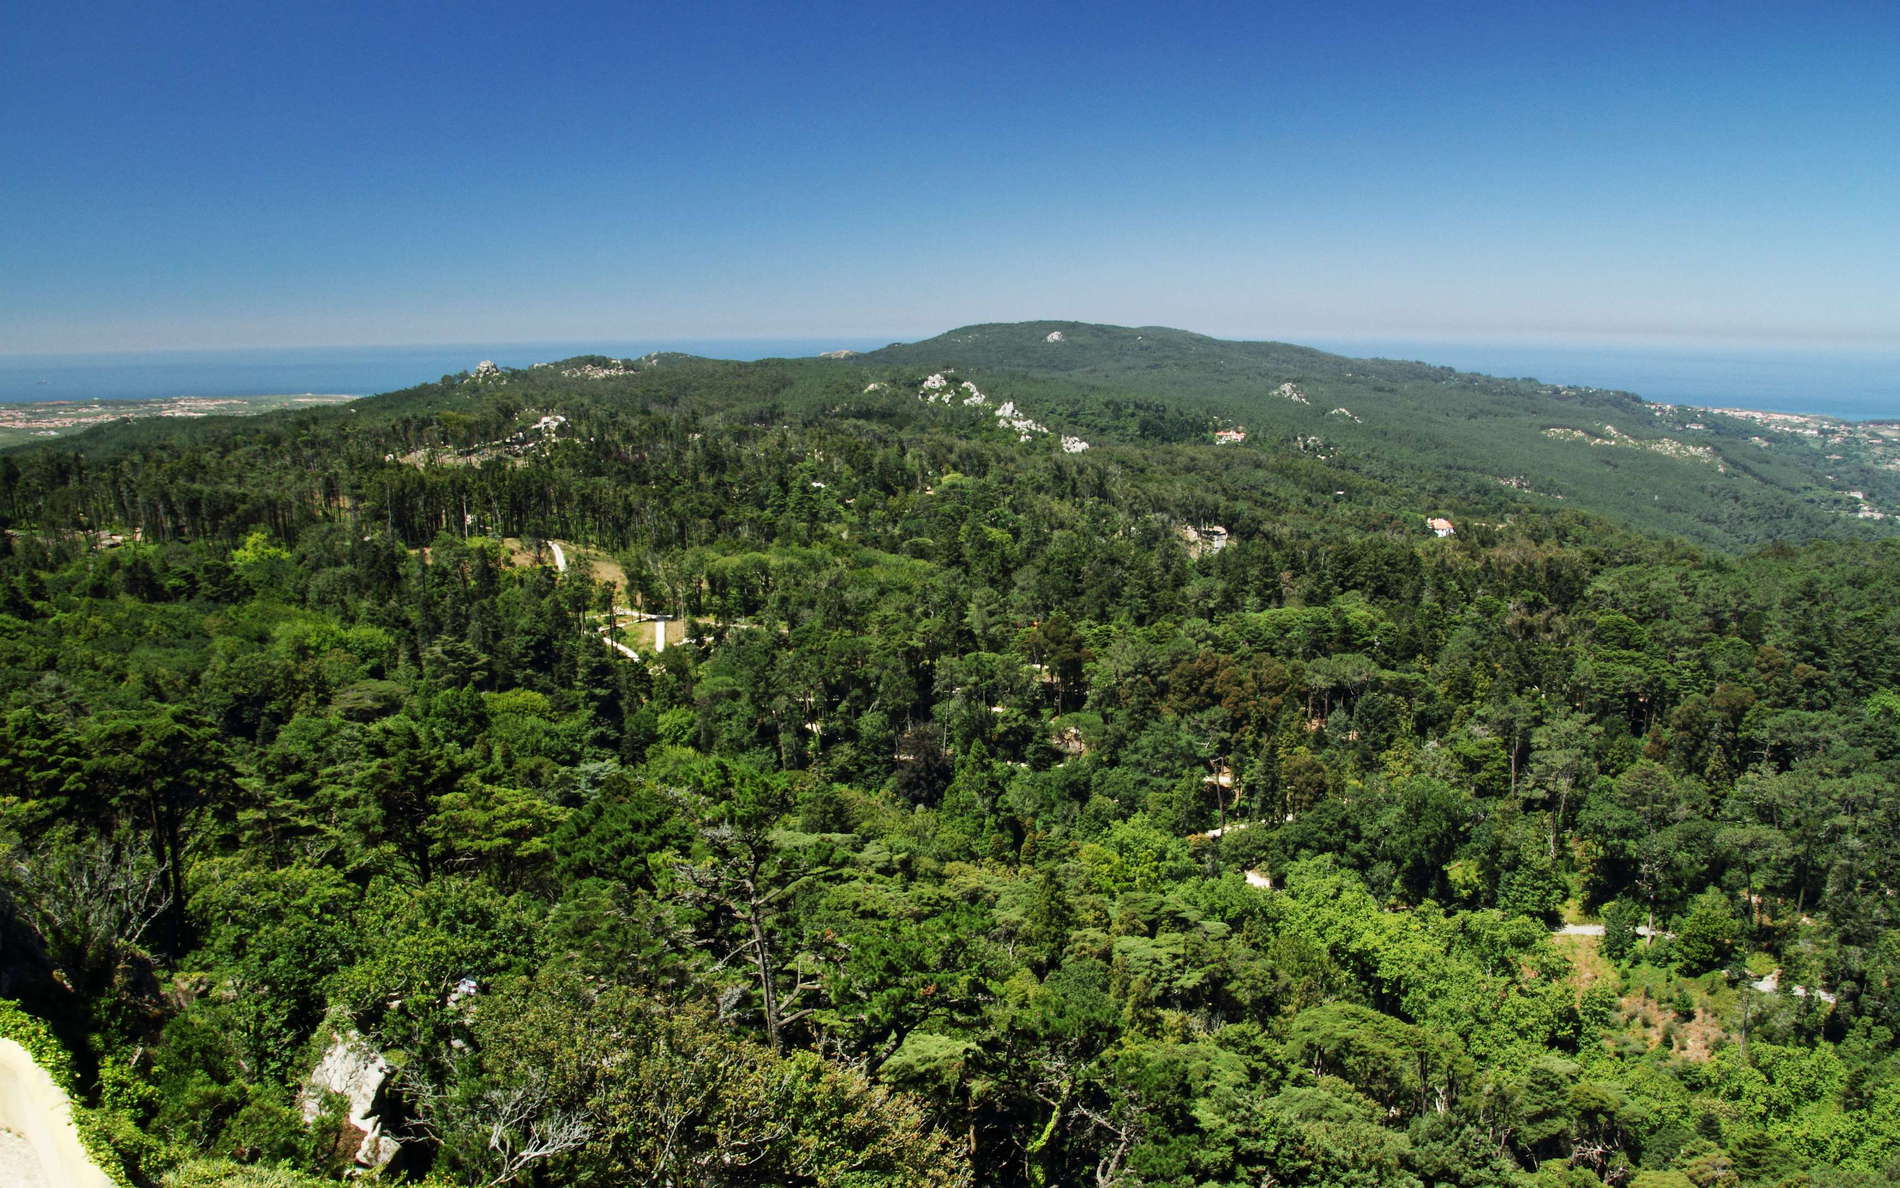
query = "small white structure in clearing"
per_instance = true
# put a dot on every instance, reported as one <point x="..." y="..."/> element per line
<point x="1230" y="436"/>
<point x="1440" y="526"/>
<point x="1204" y="540"/>
<point x="1053" y="336"/>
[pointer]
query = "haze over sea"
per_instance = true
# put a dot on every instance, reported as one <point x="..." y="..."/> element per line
<point x="1854" y="384"/>
<point x="355" y="371"/>
<point x="1850" y="383"/>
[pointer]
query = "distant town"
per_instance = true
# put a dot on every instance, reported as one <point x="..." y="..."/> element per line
<point x="36" y="420"/>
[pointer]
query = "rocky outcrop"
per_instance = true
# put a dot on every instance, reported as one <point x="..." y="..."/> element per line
<point x="355" y="1071"/>
<point x="1202" y="541"/>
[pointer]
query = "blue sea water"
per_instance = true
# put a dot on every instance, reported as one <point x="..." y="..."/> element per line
<point x="1855" y="384"/>
<point x="333" y="371"/>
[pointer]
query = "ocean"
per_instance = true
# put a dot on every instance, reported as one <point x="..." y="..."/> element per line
<point x="1858" y="384"/>
<point x="335" y="371"/>
<point x="1852" y="384"/>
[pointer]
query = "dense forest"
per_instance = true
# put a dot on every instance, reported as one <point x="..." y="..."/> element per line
<point x="1047" y="795"/>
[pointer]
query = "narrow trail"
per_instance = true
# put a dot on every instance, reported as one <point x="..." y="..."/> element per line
<point x="617" y="646"/>
<point x="39" y="1147"/>
<point x="1642" y="930"/>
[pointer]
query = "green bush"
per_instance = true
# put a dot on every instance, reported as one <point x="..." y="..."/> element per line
<point x="37" y="1038"/>
<point x="102" y="1132"/>
<point x="222" y="1173"/>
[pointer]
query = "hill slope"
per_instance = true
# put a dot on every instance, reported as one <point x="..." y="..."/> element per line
<point x="1355" y="439"/>
<point x="1019" y="788"/>
<point x="1711" y="478"/>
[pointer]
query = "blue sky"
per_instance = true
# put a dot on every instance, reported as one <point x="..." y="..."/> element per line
<point x="256" y="174"/>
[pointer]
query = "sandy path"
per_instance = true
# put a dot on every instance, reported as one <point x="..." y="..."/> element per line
<point x="38" y="1146"/>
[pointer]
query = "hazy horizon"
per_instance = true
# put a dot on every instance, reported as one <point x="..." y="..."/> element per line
<point x="1854" y="383"/>
<point x="1318" y="338"/>
<point x="728" y="171"/>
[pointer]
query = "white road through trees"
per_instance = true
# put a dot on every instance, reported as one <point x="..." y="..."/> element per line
<point x="39" y="1148"/>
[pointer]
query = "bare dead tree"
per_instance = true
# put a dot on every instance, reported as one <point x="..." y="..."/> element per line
<point x="524" y="1129"/>
<point x="90" y="901"/>
<point x="518" y="1125"/>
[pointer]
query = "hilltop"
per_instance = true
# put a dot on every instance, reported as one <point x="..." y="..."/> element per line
<point x="1267" y="428"/>
<point x="1722" y="477"/>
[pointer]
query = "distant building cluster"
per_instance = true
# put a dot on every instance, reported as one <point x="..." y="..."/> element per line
<point x="1230" y="436"/>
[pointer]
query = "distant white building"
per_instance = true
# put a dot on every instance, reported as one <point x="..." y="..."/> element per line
<point x="1440" y="526"/>
<point x="1230" y="436"/>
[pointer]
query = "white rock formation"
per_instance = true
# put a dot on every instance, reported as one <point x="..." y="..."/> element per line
<point x="597" y="371"/>
<point x="1204" y="540"/>
<point x="355" y="1070"/>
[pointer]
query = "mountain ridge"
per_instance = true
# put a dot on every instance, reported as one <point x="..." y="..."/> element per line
<point x="1436" y="439"/>
<point x="1604" y="448"/>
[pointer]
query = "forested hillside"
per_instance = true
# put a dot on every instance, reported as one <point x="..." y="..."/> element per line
<point x="1033" y="791"/>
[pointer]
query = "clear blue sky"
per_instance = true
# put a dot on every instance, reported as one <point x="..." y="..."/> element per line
<point x="250" y="174"/>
